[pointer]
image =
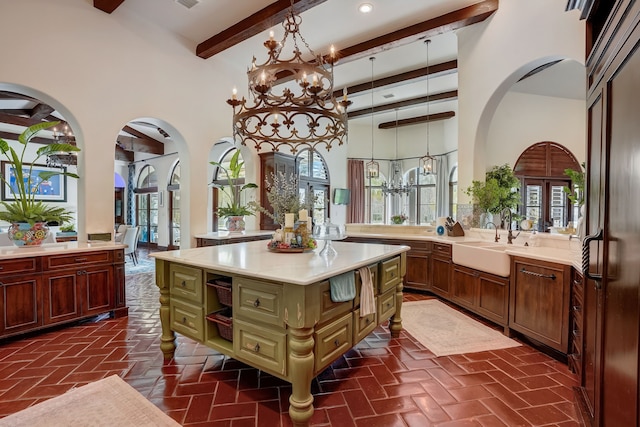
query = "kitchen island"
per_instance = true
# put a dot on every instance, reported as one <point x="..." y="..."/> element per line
<point x="283" y="320"/>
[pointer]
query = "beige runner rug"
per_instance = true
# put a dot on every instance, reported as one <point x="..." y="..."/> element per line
<point x="108" y="402"/>
<point x="445" y="331"/>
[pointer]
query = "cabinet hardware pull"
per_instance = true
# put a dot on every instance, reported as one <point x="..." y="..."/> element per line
<point x="79" y="272"/>
<point x="183" y="284"/>
<point x="585" y="258"/>
<point x="337" y="343"/>
<point x="533" y="273"/>
<point x="1" y="283"/>
<point x="1" y="268"/>
<point x="256" y="303"/>
<point x="367" y="321"/>
<point x="577" y="308"/>
<point x="256" y="348"/>
<point x="184" y="320"/>
<point x="80" y="259"/>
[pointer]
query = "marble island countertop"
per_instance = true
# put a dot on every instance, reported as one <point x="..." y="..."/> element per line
<point x="12" y="252"/>
<point x="255" y="260"/>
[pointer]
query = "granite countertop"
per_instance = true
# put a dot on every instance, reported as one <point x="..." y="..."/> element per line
<point x="225" y="235"/>
<point x="12" y="252"/>
<point x="253" y="259"/>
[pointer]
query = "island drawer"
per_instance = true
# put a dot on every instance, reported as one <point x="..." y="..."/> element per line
<point x="363" y="326"/>
<point x="186" y="282"/>
<point x="258" y="301"/>
<point x="187" y="319"/>
<point x="330" y="310"/>
<point x="332" y="341"/>
<point x="19" y="266"/>
<point x="386" y="305"/>
<point x="373" y="269"/>
<point x="389" y="274"/>
<point x="263" y="348"/>
<point x="77" y="260"/>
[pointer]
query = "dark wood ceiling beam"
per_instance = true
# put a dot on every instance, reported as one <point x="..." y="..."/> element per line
<point x="436" y="70"/>
<point x="13" y="95"/>
<point x="16" y="112"/>
<point x="107" y="6"/>
<point x="442" y="24"/>
<point x="41" y="111"/>
<point x="14" y="137"/>
<point x="264" y="19"/>
<point x="140" y="145"/>
<point x="136" y="133"/>
<point x="125" y="156"/>
<point x="405" y="103"/>
<point x="416" y="120"/>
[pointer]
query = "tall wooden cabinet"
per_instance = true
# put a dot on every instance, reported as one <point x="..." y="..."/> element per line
<point x="609" y="392"/>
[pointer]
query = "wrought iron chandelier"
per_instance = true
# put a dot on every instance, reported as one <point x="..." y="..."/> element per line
<point x="292" y="100"/>
<point x="428" y="162"/>
<point x="373" y="167"/>
<point x="396" y="184"/>
<point x="62" y="159"/>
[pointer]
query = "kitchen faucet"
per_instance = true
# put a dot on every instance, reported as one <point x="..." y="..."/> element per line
<point x="510" y="235"/>
<point x="496" y="227"/>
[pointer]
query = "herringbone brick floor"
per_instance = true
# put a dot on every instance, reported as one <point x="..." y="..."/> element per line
<point x="382" y="382"/>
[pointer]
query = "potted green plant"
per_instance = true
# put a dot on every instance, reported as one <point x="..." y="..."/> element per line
<point x="497" y="193"/>
<point x="575" y="194"/>
<point x="233" y="210"/>
<point x="28" y="216"/>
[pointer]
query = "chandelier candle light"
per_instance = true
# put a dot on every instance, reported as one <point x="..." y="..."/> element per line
<point x="427" y="161"/>
<point x="373" y="167"/>
<point x="292" y="100"/>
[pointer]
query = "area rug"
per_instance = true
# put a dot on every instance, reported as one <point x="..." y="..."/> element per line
<point x="108" y="402"/>
<point x="144" y="265"/>
<point x="445" y="331"/>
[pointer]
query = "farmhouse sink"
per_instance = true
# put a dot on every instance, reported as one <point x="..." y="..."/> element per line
<point x="483" y="256"/>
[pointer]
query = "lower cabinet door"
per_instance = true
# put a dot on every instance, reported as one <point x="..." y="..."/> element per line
<point x="332" y="341"/>
<point x="386" y="305"/>
<point x="187" y="319"/>
<point x="261" y="347"/>
<point x="363" y="326"/>
<point x="61" y="299"/>
<point x="19" y="304"/>
<point x="98" y="290"/>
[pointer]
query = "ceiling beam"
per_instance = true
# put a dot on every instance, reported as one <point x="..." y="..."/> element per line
<point x="403" y="104"/>
<point x="442" y="24"/>
<point x="107" y="6"/>
<point x="436" y="70"/>
<point x="125" y="156"/>
<point x="136" y="133"/>
<point x="13" y="95"/>
<point x="40" y="111"/>
<point x="36" y="140"/>
<point x="262" y="20"/>
<point x="140" y="145"/>
<point x="416" y="120"/>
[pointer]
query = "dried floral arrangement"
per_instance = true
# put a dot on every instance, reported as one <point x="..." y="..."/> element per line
<point x="284" y="196"/>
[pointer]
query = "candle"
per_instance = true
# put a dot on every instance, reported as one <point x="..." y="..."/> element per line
<point x="288" y="220"/>
<point x="234" y="93"/>
<point x="303" y="215"/>
<point x="271" y="35"/>
<point x="344" y="94"/>
<point x="333" y="51"/>
<point x="315" y="80"/>
<point x="263" y="78"/>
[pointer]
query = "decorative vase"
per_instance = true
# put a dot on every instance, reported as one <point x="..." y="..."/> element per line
<point x="23" y="234"/>
<point x="235" y="224"/>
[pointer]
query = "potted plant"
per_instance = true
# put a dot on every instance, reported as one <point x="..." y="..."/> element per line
<point x="575" y="194"/>
<point x="28" y="216"/>
<point x="233" y="210"/>
<point x="497" y="193"/>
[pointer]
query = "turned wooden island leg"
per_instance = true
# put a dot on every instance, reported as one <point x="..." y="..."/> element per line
<point x="301" y="363"/>
<point x="168" y="337"/>
<point x="395" y="323"/>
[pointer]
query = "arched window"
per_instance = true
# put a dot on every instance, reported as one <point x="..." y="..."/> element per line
<point x="541" y="171"/>
<point x="453" y="192"/>
<point x="174" y="207"/>
<point x="220" y="198"/>
<point x="147" y="206"/>
<point x="313" y="177"/>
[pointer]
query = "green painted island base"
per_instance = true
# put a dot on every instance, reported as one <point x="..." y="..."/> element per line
<point x="291" y="331"/>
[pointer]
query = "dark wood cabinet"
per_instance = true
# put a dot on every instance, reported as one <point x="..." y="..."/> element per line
<point x="418" y="269"/>
<point x="576" y="323"/>
<point x="441" y="269"/>
<point x="483" y="293"/>
<point x="271" y="164"/>
<point x="539" y="301"/>
<point x="59" y="289"/>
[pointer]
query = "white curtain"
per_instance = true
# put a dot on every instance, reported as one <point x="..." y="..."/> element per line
<point x="442" y="187"/>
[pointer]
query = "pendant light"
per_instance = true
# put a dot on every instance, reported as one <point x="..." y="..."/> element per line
<point x="428" y="161"/>
<point x="373" y="167"/>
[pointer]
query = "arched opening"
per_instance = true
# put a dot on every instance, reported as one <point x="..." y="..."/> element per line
<point x="540" y="169"/>
<point x="314" y="182"/>
<point x="219" y="197"/>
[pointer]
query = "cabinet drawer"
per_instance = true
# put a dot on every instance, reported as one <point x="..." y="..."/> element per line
<point x="85" y="258"/>
<point x="373" y="269"/>
<point x="386" y="305"/>
<point x="19" y="266"/>
<point x="330" y="310"/>
<point x="258" y="301"/>
<point x="332" y="341"/>
<point x="363" y="326"/>
<point x="187" y="319"/>
<point x="389" y="274"/>
<point x="263" y="348"/>
<point x="186" y="282"/>
<point x="442" y="250"/>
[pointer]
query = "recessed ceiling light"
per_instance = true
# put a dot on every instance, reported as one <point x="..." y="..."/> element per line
<point x="365" y="7"/>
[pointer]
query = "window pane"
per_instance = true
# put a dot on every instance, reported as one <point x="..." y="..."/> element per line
<point x="558" y="206"/>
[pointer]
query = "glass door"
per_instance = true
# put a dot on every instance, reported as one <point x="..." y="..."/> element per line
<point x="147" y="219"/>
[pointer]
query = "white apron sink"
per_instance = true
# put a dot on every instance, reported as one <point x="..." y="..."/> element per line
<point x="483" y="256"/>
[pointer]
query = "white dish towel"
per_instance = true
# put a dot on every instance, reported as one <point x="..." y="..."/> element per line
<point x="367" y="297"/>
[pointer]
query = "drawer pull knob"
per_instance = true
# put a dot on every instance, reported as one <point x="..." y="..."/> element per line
<point x="367" y="321"/>
<point x="256" y="303"/>
<point x="257" y="348"/>
<point x="183" y="284"/>
<point x="1" y="268"/>
<point x="184" y="320"/>
<point x="337" y="343"/>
